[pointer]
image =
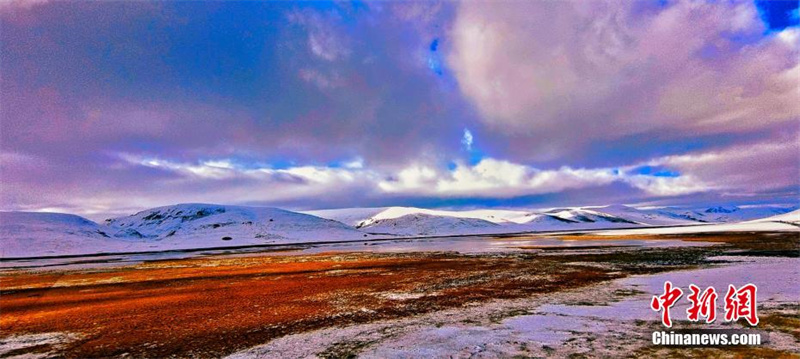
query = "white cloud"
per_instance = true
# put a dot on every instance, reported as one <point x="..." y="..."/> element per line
<point x="324" y="40"/>
<point x="790" y="36"/>
<point x="668" y="186"/>
<point x="222" y="169"/>
<point x="741" y="170"/>
<point x="488" y="178"/>
<point x="745" y="168"/>
<point x="491" y="178"/>
<point x="410" y="180"/>
<point x="356" y="163"/>
<point x="466" y="140"/>
<point x="548" y="69"/>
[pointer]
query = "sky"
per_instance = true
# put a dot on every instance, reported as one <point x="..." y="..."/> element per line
<point x="112" y="107"/>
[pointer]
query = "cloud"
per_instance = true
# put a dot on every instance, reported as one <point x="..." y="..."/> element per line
<point x="422" y="13"/>
<point x="221" y="169"/>
<point x="322" y="81"/>
<point x="324" y="40"/>
<point x="9" y="5"/>
<point x="744" y="169"/>
<point x="537" y="71"/>
<point x="350" y="104"/>
<point x="285" y="82"/>
<point x="492" y="178"/>
<point x="466" y="140"/>
<point x="740" y="171"/>
<point x="668" y="186"/>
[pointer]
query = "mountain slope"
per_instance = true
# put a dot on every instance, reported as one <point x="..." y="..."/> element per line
<point x="420" y="224"/>
<point x="653" y="217"/>
<point x="204" y="224"/>
<point x="189" y="226"/>
<point x="534" y="222"/>
<point x="364" y="216"/>
<point x="29" y="234"/>
<point x="349" y="216"/>
<point x="583" y="215"/>
<point x="792" y="217"/>
<point x="182" y="226"/>
<point x="787" y="222"/>
<point x="737" y="214"/>
<point x="510" y="220"/>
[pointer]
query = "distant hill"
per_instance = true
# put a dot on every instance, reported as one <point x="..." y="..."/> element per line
<point x="182" y="226"/>
<point x="24" y="234"/>
<point x="363" y="216"/>
<point x="420" y="224"/>
<point x="792" y="217"/>
<point x="731" y="214"/>
<point x="203" y="223"/>
<point x="507" y="220"/>
<point x="653" y="217"/>
<point x="195" y="225"/>
<point x="786" y="222"/>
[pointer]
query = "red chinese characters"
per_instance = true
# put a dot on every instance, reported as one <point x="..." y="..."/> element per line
<point x="741" y="303"/>
<point x="704" y="304"/>
<point x="666" y="301"/>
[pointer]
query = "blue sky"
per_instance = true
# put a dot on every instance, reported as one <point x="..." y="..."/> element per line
<point x="115" y="106"/>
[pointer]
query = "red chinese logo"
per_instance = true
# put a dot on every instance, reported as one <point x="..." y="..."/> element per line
<point x="741" y="304"/>
<point x="702" y="305"/>
<point x="666" y="301"/>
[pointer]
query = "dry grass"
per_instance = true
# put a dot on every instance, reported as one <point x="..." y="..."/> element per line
<point x="214" y="306"/>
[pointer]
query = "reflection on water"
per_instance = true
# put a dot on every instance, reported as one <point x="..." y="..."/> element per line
<point x="465" y="244"/>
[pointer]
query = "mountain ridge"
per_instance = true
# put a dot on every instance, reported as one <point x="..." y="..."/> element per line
<point x="199" y="225"/>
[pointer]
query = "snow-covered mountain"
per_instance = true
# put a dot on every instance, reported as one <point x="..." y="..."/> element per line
<point x="358" y="217"/>
<point x="586" y="215"/>
<point x="403" y="220"/>
<point x="737" y="214"/>
<point x="542" y="222"/>
<point x="182" y="226"/>
<point x="411" y="221"/>
<point x="787" y="222"/>
<point x="510" y="221"/>
<point x="653" y="217"/>
<point x="576" y="218"/>
<point x="189" y="226"/>
<point x="233" y="224"/>
<point x="26" y="234"/>
<point x="720" y="214"/>
<point x="421" y="224"/>
<point x="17" y="223"/>
<point x="349" y="216"/>
<point x="792" y="217"/>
